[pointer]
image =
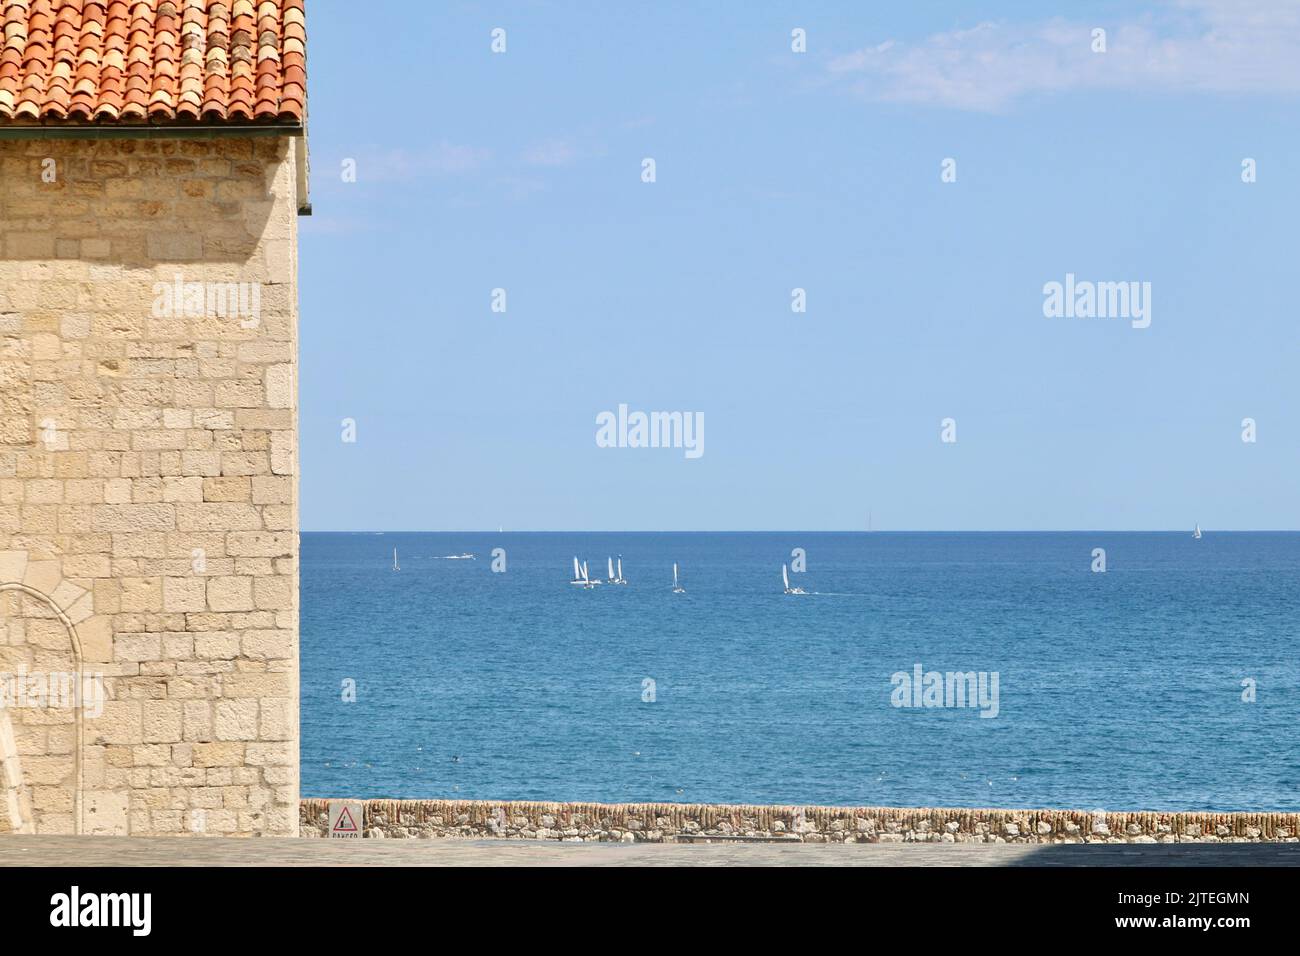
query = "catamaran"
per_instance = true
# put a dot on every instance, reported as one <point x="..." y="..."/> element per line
<point x="677" y="588"/>
<point x="396" y="566"/>
<point x="577" y="571"/>
<point x="785" y="576"/>
<point x="1197" y="532"/>
<point x="587" y="582"/>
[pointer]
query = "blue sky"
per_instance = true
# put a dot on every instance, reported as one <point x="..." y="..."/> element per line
<point x="821" y="170"/>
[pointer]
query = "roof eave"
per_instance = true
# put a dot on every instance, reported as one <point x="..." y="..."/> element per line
<point x="145" y="130"/>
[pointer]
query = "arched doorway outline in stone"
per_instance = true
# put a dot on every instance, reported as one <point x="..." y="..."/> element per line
<point x="78" y="762"/>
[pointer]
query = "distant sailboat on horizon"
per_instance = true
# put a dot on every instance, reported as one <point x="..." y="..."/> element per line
<point x="677" y="588"/>
<point x="785" y="576"/>
<point x="614" y="576"/>
<point x="587" y="582"/>
<point x="396" y="566"/>
<point x="1197" y="533"/>
<point x="577" y="571"/>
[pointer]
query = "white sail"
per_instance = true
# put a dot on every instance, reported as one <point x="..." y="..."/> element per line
<point x="674" y="574"/>
<point x="611" y="568"/>
<point x="577" y="572"/>
<point x="785" y="577"/>
<point x="620" y="567"/>
<point x="396" y="566"/>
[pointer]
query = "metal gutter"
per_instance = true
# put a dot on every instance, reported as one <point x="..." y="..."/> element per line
<point x="106" y="131"/>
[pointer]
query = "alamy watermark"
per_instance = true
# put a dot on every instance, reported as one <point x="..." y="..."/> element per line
<point x="198" y="300"/>
<point x="57" y="690"/>
<point x="77" y="909"/>
<point x="1084" y="299"/>
<point x="651" y="430"/>
<point x="922" y="688"/>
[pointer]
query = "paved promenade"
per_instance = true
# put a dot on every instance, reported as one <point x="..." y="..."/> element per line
<point x="197" y="851"/>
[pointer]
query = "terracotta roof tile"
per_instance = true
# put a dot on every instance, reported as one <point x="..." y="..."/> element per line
<point x="134" y="61"/>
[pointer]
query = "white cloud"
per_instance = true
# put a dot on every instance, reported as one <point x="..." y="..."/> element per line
<point x="1199" y="46"/>
<point x="440" y="159"/>
<point x="553" y="152"/>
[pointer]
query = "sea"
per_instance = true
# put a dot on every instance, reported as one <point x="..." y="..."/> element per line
<point x="1170" y="680"/>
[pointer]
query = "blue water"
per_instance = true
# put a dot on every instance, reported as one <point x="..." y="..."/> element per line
<point x="1119" y="690"/>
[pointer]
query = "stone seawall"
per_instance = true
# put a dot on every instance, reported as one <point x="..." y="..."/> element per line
<point x="669" y="822"/>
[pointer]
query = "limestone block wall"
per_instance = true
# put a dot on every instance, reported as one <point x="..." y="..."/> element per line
<point x="148" y="486"/>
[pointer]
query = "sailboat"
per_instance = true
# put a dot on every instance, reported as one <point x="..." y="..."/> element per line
<point x="619" y="579"/>
<point x="785" y="576"/>
<point x="609" y="579"/>
<point x="577" y="572"/>
<point x="587" y="582"/>
<point x="396" y="566"/>
<point x="1197" y="533"/>
<point x="677" y="588"/>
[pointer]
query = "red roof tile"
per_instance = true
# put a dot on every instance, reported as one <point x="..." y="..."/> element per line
<point x="161" y="61"/>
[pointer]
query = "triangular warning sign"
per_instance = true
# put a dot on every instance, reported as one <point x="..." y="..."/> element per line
<point x="345" y="823"/>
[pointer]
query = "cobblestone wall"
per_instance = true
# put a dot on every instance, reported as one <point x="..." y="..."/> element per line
<point x="658" y="822"/>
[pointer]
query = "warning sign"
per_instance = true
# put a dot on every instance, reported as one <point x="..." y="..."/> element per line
<point x="346" y="819"/>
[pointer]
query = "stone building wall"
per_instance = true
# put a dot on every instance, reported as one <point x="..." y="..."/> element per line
<point x="148" y="485"/>
<point x="669" y="822"/>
